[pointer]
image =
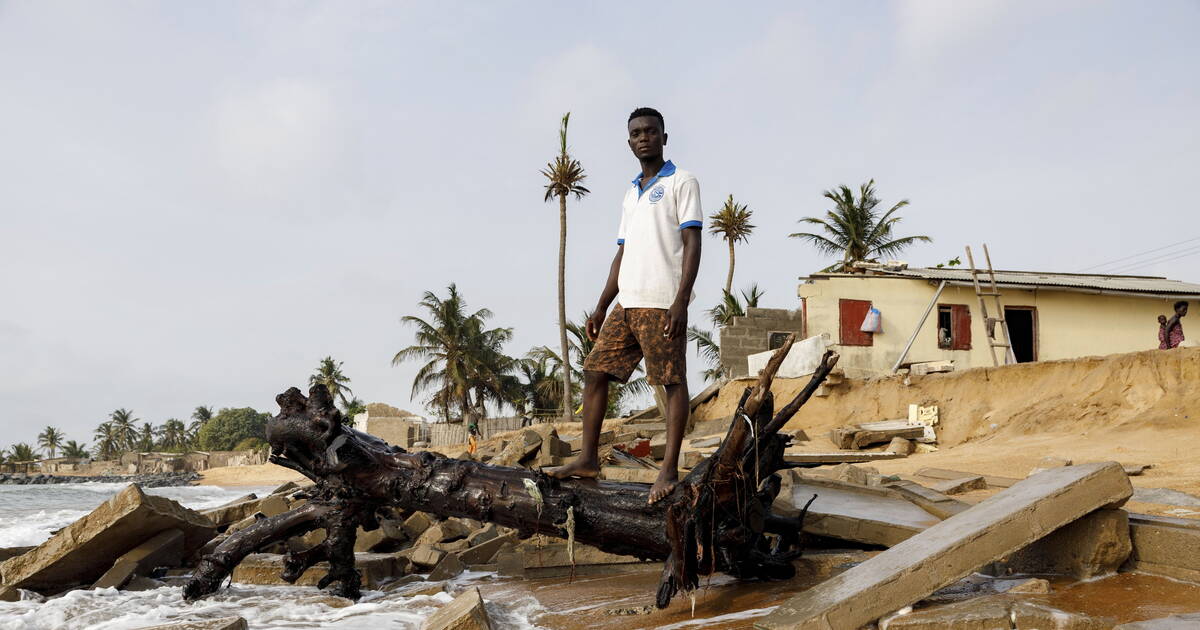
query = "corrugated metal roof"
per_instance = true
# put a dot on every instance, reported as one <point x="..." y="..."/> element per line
<point x="1104" y="283"/>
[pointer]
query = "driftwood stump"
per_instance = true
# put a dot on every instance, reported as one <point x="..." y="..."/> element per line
<point x="716" y="520"/>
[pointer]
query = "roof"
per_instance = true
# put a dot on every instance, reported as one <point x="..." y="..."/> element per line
<point x="1090" y="283"/>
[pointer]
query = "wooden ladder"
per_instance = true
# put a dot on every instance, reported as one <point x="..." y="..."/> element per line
<point x="989" y="323"/>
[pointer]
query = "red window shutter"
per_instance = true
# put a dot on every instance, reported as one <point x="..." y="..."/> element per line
<point x="851" y="315"/>
<point x="960" y="314"/>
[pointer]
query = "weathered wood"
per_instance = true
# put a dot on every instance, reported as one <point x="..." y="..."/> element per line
<point x="715" y="519"/>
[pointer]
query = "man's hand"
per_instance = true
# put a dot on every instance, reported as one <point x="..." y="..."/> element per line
<point x="676" y="320"/>
<point x="595" y="322"/>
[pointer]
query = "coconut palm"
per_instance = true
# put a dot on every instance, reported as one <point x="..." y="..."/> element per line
<point x="564" y="178"/>
<point x="172" y="435"/>
<point x="144" y="440"/>
<point x="540" y="388"/>
<point x="124" y="424"/>
<point x="50" y="439"/>
<point x="352" y="408"/>
<point x="108" y="441"/>
<point x="329" y="373"/>
<point x="709" y="350"/>
<point x="732" y="223"/>
<point x="855" y="229"/>
<point x="731" y="306"/>
<point x="200" y="416"/>
<point x="22" y="452"/>
<point x="580" y="346"/>
<point x="462" y="356"/>
<point x="75" y="450"/>
<point x="706" y="341"/>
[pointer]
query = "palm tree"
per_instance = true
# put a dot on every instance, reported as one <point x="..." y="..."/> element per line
<point x="710" y="350"/>
<point x="462" y="357"/>
<point x="539" y="388"/>
<point x="124" y="424"/>
<point x="732" y="223"/>
<point x="75" y="450"/>
<point x="200" y="416"/>
<point x="22" y="453"/>
<point x="329" y="373"/>
<point x="731" y="306"/>
<point x="855" y="229"/>
<point x="707" y="344"/>
<point x="352" y="408"/>
<point x="144" y="440"/>
<point x="108" y="441"/>
<point x="579" y="347"/>
<point x="172" y="435"/>
<point x="50" y="439"/>
<point x="564" y="178"/>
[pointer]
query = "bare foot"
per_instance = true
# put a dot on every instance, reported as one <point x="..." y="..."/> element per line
<point x="577" y="468"/>
<point x="667" y="478"/>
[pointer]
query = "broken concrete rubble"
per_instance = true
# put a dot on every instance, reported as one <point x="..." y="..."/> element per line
<point x="465" y="612"/>
<point x="859" y="436"/>
<point x="449" y="566"/>
<point x="946" y="552"/>
<point x="1165" y="546"/>
<point x="1096" y="544"/>
<point x="995" y="612"/>
<point x="960" y="485"/>
<point x="82" y="551"/>
<point x="848" y="511"/>
<point x="942" y="474"/>
<point x="1174" y="622"/>
<point x="223" y="623"/>
<point x="163" y="550"/>
<point x="265" y="569"/>
<point x="485" y="551"/>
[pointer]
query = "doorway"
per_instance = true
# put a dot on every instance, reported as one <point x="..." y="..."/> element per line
<point x="1022" y="332"/>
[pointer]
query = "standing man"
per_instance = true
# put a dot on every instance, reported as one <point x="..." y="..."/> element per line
<point x="658" y="254"/>
<point x="1174" y="328"/>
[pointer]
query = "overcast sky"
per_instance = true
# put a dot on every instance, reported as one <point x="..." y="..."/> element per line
<point x="201" y="200"/>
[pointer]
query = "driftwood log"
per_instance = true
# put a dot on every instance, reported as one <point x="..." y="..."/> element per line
<point x="717" y="519"/>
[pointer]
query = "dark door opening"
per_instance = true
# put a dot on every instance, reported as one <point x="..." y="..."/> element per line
<point x="1022" y="332"/>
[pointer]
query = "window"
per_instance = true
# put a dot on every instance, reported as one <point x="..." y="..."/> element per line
<point x="851" y="314"/>
<point x="775" y="339"/>
<point x="954" y="327"/>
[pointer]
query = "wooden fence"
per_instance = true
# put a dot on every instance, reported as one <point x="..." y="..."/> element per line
<point x="442" y="434"/>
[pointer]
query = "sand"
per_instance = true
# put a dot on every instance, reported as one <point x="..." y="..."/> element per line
<point x="260" y="475"/>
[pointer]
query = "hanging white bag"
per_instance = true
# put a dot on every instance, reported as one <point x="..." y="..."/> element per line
<point x="873" y="322"/>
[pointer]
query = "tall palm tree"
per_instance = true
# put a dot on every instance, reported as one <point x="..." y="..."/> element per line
<point x="707" y="343"/>
<point x="564" y="177"/>
<point x="124" y="424"/>
<point x="108" y="441"/>
<point x="200" y="416"/>
<point x="855" y="229"/>
<point x="709" y="350"/>
<point x="329" y="373"/>
<point x="145" y="438"/>
<point x="75" y="450"/>
<point x="731" y="306"/>
<point x="172" y="435"/>
<point x="50" y="439"/>
<point x="732" y="223"/>
<point x="462" y="356"/>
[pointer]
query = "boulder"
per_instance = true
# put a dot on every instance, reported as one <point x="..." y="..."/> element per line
<point x="223" y="623"/>
<point x="448" y="530"/>
<point x="416" y="525"/>
<point x="82" y="551"/>
<point x="265" y="569"/>
<point x="483" y="534"/>
<point x="449" y="566"/>
<point x="163" y="550"/>
<point x="233" y="511"/>
<point x="272" y="505"/>
<point x="465" y="612"/>
<point x="484" y="552"/>
<point x="426" y="557"/>
<point x="901" y="446"/>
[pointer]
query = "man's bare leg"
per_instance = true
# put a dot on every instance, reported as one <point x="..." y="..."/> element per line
<point x="677" y="415"/>
<point x="595" y="403"/>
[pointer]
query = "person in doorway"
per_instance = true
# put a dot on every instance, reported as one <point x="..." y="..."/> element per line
<point x="1173" y="328"/>
<point x="658" y="256"/>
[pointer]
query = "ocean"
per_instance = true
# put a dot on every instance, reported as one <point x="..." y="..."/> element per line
<point x="28" y="515"/>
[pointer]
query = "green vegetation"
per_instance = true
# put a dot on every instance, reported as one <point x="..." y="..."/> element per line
<point x="731" y="223"/>
<point x="230" y="426"/>
<point x="50" y="439"/>
<point x="564" y="177"/>
<point x="329" y="373"/>
<point x="855" y="230"/>
<point x="707" y="342"/>
<point x="76" y="450"/>
<point x="251" y="444"/>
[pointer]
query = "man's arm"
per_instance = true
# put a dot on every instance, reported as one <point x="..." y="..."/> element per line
<point x="606" y="296"/>
<point x="677" y="314"/>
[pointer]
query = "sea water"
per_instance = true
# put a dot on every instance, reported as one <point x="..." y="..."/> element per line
<point x="29" y="514"/>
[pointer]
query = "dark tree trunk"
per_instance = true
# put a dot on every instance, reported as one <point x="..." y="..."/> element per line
<point x="716" y="519"/>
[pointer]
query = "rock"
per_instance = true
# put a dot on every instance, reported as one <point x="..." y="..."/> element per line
<point x="995" y="612"/>
<point x="82" y="551"/>
<point x="223" y="623"/>
<point x="1033" y="586"/>
<point x="485" y="551"/>
<point x="287" y="488"/>
<point x="555" y="555"/>
<point x="606" y="437"/>
<point x="272" y="505"/>
<point x="954" y="548"/>
<point x="1165" y="546"/>
<point x="9" y="594"/>
<point x="960" y="485"/>
<point x="449" y="566"/>
<point x="453" y="547"/>
<point x="426" y="557"/>
<point x="416" y="525"/>
<point x="1189" y="621"/>
<point x="1047" y="463"/>
<point x="1133" y="470"/>
<point x="233" y="511"/>
<point x="707" y="442"/>
<point x="401" y="582"/>
<point x="393" y="529"/>
<point x="1032" y="616"/>
<point x="465" y="612"/>
<point x="943" y="474"/>
<point x="163" y="550"/>
<point x="448" y="530"/>
<point x="1094" y="545"/>
<point x="372" y="540"/>
<point x="901" y="446"/>
<point x="142" y="583"/>
<point x="483" y="534"/>
<point x="849" y="473"/>
<point x="265" y="569"/>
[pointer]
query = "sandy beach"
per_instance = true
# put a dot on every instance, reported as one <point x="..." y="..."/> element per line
<point x="260" y="475"/>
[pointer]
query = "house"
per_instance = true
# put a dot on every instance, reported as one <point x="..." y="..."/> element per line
<point x="1049" y="316"/>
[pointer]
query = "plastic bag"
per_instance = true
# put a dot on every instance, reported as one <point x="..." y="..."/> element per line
<point x="873" y="322"/>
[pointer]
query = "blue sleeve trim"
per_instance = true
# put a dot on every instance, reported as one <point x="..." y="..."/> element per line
<point x="688" y="224"/>
<point x="620" y="241"/>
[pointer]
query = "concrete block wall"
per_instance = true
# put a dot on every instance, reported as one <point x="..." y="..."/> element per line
<point x="751" y="334"/>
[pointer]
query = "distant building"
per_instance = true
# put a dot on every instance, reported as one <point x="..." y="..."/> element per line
<point x="395" y="426"/>
<point x="1049" y="316"/>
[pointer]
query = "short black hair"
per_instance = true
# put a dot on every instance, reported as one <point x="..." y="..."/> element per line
<point x="1181" y="303"/>
<point x="647" y="111"/>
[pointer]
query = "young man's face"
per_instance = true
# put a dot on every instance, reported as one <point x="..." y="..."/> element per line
<point x="646" y="138"/>
<point x="1181" y="310"/>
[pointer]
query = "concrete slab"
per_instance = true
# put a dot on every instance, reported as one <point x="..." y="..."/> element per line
<point x="852" y="512"/>
<point x="837" y="457"/>
<point x="1165" y="546"/>
<point x="163" y="550"/>
<point x="265" y="569"/>
<point x="1174" y="622"/>
<point x="954" y="548"/>
<point x="932" y="501"/>
<point x="222" y="623"/>
<point x="1094" y="545"/>
<point x="465" y="612"/>
<point x="993" y="481"/>
<point x="960" y="485"/>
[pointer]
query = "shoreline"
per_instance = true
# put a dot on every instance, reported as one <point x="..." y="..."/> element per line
<point x="248" y="476"/>
<point x="146" y="480"/>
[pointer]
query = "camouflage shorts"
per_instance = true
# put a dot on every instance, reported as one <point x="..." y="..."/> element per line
<point x="630" y="334"/>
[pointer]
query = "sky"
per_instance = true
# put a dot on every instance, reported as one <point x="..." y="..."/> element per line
<point x="199" y="201"/>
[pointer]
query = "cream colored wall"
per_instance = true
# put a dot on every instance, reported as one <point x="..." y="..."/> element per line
<point x="1068" y="324"/>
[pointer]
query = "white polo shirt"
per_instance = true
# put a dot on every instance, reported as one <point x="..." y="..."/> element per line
<point x="652" y="219"/>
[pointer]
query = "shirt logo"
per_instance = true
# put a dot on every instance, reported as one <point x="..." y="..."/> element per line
<point x="657" y="193"/>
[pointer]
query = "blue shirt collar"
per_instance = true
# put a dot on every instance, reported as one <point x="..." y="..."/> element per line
<point x="667" y="170"/>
